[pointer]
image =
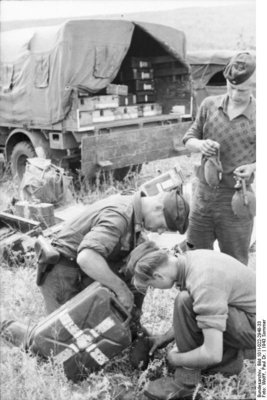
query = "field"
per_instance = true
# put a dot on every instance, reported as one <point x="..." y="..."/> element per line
<point x="24" y="377"/>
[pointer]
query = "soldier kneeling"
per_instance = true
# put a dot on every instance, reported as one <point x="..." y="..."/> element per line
<point x="214" y="313"/>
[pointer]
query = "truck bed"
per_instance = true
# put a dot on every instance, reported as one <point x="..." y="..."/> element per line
<point x="137" y="122"/>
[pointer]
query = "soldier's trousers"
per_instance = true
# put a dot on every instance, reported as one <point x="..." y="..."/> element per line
<point x="211" y="217"/>
<point x="240" y="334"/>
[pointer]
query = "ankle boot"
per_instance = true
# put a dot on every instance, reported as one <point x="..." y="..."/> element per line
<point x="181" y="386"/>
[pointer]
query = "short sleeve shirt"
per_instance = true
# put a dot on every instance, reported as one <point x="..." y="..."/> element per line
<point x="107" y="226"/>
<point x="237" y="137"/>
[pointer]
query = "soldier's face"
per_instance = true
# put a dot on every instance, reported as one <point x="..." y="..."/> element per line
<point x="165" y="275"/>
<point x="240" y="94"/>
<point x="155" y="221"/>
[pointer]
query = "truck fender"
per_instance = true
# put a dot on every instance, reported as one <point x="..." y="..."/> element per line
<point x="37" y="139"/>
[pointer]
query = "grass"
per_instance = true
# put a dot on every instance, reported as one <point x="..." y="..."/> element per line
<point x="23" y="377"/>
<point x="26" y="378"/>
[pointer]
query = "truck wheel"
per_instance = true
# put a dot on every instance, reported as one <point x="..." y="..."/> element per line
<point x="19" y="155"/>
<point x="120" y="173"/>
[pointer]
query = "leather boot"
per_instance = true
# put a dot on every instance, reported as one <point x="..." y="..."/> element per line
<point x="181" y="386"/>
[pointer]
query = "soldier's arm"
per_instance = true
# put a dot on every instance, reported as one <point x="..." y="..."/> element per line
<point x="208" y="354"/>
<point x="207" y="147"/>
<point x="193" y="139"/>
<point x="95" y="266"/>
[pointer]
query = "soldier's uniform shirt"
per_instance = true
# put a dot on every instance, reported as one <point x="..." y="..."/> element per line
<point x="112" y="228"/>
<point x="107" y="226"/>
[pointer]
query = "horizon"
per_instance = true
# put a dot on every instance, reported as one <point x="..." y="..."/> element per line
<point x="30" y="10"/>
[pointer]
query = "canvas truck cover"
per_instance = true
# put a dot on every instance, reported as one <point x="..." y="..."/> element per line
<point x="41" y="66"/>
<point x="206" y="63"/>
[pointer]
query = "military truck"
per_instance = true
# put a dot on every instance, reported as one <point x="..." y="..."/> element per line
<point x="97" y="94"/>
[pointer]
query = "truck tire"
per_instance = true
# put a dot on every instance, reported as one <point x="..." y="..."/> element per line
<point x="19" y="155"/>
<point x="120" y="173"/>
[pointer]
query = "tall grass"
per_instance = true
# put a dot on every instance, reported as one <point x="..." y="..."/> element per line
<point x="24" y="377"/>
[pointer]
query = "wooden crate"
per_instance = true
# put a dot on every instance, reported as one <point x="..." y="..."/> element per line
<point x="128" y="100"/>
<point x="141" y="85"/>
<point x="120" y="90"/>
<point x="136" y="73"/>
<point x="139" y="62"/>
<point x="145" y="97"/>
<point x="149" y="110"/>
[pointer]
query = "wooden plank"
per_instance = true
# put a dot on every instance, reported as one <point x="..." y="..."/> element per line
<point x="138" y="122"/>
<point x="18" y="223"/>
<point x="134" y="147"/>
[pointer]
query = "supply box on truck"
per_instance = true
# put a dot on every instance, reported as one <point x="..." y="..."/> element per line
<point x="96" y="93"/>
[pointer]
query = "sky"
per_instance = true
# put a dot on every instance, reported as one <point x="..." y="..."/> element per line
<point x="20" y="10"/>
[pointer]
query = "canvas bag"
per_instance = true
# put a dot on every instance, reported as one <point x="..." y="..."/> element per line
<point x="45" y="182"/>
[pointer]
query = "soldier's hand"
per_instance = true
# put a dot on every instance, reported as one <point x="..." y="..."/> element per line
<point x="209" y="147"/>
<point x="158" y="342"/>
<point x="245" y="171"/>
<point x="125" y="296"/>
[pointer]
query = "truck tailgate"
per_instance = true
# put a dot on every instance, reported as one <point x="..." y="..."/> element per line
<point x="117" y="149"/>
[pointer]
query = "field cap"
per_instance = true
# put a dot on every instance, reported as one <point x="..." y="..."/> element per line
<point x="240" y="68"/>
<point x="176" y="211"/>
